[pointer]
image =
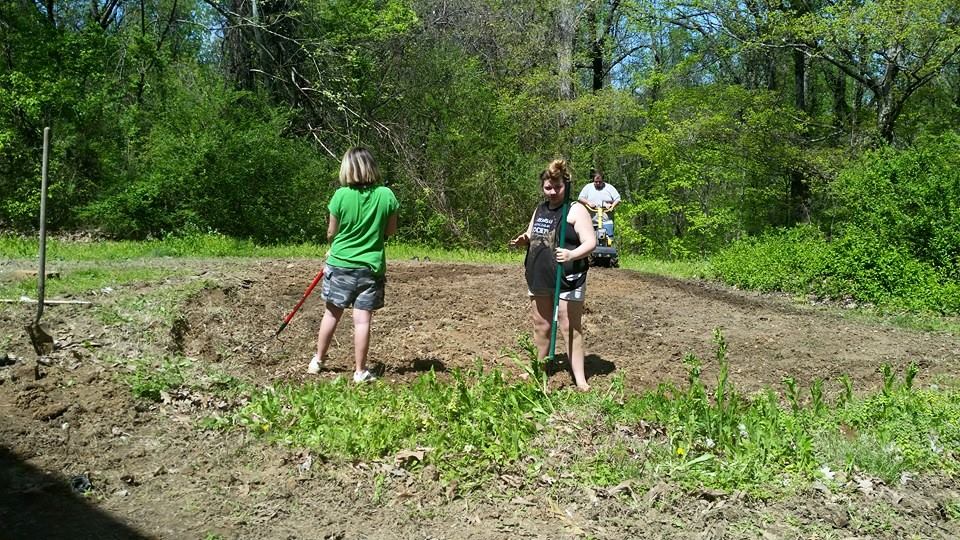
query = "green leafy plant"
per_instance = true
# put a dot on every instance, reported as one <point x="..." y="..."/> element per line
<point x="475" y="422"/>
<point x="470" y="424"/>
<point x="952" y="509"/>
<point x="150" y="378"/>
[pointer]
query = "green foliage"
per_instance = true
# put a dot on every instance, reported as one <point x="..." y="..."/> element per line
<point x="350" y="22"/>
<point x="605" y="123"/>
<point x="219" y="162"/>
<point x="723" y="439"/>
<point x="472" y="424"/>
<point x="85" y="280"/>
<point x="952" y="509"/>
<point x="895" y="236"/>
<point x="898" y="430"/>
<point x="686" y="269"/>
<point x="908" y="198"/>
<point x="800" y="260"/>
<point x="696" y="434"/>
<point x="922" y="32"/>
<point x="58" y="79"/>
<point x="460" y="175"/>
<point x="616" y="464"/>
<point x="149" y="378"/>
<point x="162" y="126"/>
<point x="716" y="163"/>
<point x="786" y="259"/>
<point x="219" y="245"/>
<point x="866" y="268"/>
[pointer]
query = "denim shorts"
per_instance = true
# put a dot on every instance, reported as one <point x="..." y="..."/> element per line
<point x="357" y="287"/>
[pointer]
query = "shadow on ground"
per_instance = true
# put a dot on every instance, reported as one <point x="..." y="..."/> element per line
<point x="36" y="504"/>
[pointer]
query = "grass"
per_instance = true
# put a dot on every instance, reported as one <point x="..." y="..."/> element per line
<point x="923" y="322"/>
<point x="468" y="427"/>
<point x="149" y="377"/>
<point x="676" y="269"/>
<point x="480" y="424"/>
<point x="202" y="245"/>
<point x="696" y="435"/>
<point x="84" y="280"/>
<point x="952" y="509"/>
<point x="213" y="245"/>
<point x="161" y="304"/>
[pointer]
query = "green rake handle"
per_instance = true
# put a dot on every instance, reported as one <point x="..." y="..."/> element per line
<point x="556" y="289"/>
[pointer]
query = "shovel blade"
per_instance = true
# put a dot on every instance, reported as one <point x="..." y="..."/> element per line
<point x="41" y="339"/>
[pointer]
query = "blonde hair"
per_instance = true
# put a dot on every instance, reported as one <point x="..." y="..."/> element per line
<point x="556" y="171"/>
<point x="358" y="168"/>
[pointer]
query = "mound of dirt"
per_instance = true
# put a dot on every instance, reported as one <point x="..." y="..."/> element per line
<point x="454" y="316"/>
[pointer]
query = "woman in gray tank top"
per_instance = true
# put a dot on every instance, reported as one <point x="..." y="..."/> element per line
<point x="544" y="256"/>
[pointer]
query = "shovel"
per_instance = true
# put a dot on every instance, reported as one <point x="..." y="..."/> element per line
<point x="39" y="336"/>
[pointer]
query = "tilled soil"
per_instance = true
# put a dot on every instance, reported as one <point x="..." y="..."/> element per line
<point x="156" y="475"/>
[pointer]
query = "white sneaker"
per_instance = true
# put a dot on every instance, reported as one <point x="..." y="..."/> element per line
<point x="363" y="376"/>
<point x="315" y="365"/>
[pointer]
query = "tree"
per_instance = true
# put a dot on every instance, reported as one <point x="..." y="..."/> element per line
<point x="891" y="47"/>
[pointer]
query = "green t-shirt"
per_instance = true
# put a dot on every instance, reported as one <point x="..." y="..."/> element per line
<point x="363" y="213"/>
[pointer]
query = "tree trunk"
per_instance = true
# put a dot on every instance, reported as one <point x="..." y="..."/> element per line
<point x="596" y="51"/>
<point x="566" y="28"/>
<point x="888" y="107"/>
<point x="799" y="199"/>
<point x="837" y="80"/>
<point x="800" y="80"/>
<point x="655" y="49"/>
<point x="888" y="110"/>
<point x="236" y="53"/>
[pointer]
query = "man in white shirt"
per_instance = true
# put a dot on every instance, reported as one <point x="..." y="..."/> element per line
<point x="599" y="193"/>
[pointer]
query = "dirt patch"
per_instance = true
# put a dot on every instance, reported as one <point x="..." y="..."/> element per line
<point x="155" y="475"/>
<point x="638" y="326"/>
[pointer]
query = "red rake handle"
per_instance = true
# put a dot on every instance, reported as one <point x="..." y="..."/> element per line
<point x="309" y="290"/>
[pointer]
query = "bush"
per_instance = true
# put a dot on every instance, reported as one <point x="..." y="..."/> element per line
<point x="895" y="239"/>
<point x="857" y="265"/>
<point x="907" y="198"/>
<point x="787" y="260"/>
<point x="863" y="266"/>
<point x="715" y="163"/>
<point x="220" y="163"/>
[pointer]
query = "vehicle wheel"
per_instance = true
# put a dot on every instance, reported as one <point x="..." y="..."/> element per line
<point x="614" y="262"/>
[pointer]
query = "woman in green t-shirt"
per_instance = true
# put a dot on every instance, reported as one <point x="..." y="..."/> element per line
<point x="362" y="216"/>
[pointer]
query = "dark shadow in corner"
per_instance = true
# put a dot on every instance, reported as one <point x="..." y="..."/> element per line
<point x="35" y="504"/>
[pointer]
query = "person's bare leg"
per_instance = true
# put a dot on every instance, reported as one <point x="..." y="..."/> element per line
<point x="361" y="337"/>
<point x="571" y="322"/>
<point x="331" y="318"/>
<point x="541" y="310"/>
